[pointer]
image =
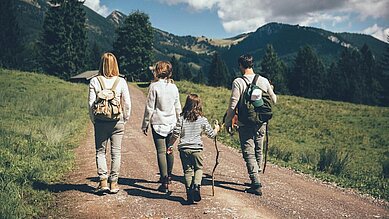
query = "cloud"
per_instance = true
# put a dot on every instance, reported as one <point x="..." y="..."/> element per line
<point x="248" y="15"/>
<point x="378" y="32"/>
<point x="97" y="7"/>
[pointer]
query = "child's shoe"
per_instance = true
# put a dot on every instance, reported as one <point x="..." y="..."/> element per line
<point x="196" y="193"/>
<point x="114" y="187"/>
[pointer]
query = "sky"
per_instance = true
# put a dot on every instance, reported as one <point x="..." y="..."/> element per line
<point x="228" y="18"/>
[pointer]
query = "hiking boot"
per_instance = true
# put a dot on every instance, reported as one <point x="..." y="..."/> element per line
<point x="103" y="186"/>
<point x="114" y="187"/>
<point x="255" y="189"/>
<point x="196" y="193"/>
<point x="164" y="187"/>
<point x="189" y="195"/>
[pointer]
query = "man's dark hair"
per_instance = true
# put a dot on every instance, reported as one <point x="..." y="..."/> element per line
<point x="246" y="61"/>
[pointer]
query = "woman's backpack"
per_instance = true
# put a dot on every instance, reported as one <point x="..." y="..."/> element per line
<point x="107" y="107"/>
<point x="256" y="107"/>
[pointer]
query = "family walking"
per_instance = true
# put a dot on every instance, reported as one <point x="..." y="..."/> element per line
<point x="110" y="108"/>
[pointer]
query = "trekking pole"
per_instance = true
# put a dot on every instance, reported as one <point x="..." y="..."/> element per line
<point x="216" y="162"/>
<point x="266" y="146"/>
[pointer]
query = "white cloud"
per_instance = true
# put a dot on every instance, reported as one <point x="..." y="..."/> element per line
<point x="97" y="7"/>
<point x="378" y="32"/>
<point x="248" y="15"/>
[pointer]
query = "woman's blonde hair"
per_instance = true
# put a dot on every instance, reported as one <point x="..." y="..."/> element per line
<point x="163" y="69"/>
<point x="108" y="65"/>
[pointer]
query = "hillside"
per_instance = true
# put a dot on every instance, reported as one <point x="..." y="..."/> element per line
<point x="40" y="125"/>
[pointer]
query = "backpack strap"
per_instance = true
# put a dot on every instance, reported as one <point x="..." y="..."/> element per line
<point x="255" y="79"/>
<point x="101" y="81"/>
<point x="115" y="84"/>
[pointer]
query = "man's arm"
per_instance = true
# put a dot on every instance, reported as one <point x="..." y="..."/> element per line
<point x="234" y="100"/>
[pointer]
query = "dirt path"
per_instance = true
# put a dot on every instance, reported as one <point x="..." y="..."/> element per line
<point x="286" y="194"/>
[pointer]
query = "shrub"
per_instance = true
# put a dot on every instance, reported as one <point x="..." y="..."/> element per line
<point x="332" y="161"/>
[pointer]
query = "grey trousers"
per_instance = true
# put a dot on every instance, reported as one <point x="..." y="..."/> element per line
<point x="165" y="161"/>
<point x="104" y="132"/>
<point x="192" y="164"/>
<point x="251" y="142"/>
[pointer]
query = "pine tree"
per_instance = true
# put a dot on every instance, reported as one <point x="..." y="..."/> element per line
<point x="370" y="73"/>
<point x="383" y="76"/>
<point x="133" y="46"/>
<point x="95" y="54"/>
<point x="63" y="44"/>
<point x="274" y="70"/>
<point x="218" y="72"/>
<point x="349" y="66"/>
<point x="187" y="72"/>
<point x="10" y="35"/>
<point x="308" y="77"/>
<point x="200" y="77"/>
<point x="177" y="70"/>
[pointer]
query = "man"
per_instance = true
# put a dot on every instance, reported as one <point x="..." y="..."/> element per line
<point x="251" y="136"/>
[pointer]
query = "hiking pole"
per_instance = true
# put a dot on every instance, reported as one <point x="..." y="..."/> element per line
<point x="216" y="162"/>
<point x="266" y="146"/>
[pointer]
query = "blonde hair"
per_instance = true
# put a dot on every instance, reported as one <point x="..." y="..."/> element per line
<point x="108" y="65"/>
<point x="163" y="69"/>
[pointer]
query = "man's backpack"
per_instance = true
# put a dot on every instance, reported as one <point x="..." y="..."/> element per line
<point x="107" y="107"/>
<point x="256" y="107"/>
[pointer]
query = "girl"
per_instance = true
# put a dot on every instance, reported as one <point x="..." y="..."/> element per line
<point x="113" y="130"/>
<point x="162" y="111"/>
<point x="191" y="125"/>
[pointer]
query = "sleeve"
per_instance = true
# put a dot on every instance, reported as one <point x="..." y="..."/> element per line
<point x="207" y="129"/>
<point x="91" y="99"/>
<point x="271" y="93"/>
<point x="177" y="129"/>
<point x="126" y="100"/>
<point x="177" y="105"/>
<point x="234" y="100"/>
<point x="149" y="109"/>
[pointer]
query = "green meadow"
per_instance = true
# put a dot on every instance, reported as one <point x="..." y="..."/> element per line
<point x="343" y="143"/>
<point x="41" y="121"/>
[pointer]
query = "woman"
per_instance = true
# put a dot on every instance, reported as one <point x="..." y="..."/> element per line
<point x="111" y="129"/>
<point x="162" y="112"/>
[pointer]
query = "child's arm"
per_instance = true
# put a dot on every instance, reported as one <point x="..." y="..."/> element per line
<point x="211" y="133"/>
<point x="176" y="131"/>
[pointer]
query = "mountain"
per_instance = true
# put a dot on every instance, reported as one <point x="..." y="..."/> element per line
<point x="197" y="51"/>
<point x="287" y="39"/>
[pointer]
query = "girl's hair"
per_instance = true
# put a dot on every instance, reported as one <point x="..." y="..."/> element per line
<point x="108" y="65"/>
<point x="193" y="108"/>
<point x="163" y="69"/>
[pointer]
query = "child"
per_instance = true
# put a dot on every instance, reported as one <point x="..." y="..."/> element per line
<point x="189" y="128"/>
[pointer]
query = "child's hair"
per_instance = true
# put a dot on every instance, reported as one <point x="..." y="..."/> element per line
<point x="108" y="65"/>
<point x="193" y="108"/>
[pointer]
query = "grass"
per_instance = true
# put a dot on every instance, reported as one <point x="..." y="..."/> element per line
<point x="344" y="143"/>
<point x="41" y="121"/>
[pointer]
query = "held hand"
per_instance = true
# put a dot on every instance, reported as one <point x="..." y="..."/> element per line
<point x="216" y="128"/>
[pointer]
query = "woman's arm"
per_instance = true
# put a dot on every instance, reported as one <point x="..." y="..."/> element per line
<point x="126" y="101"/>
<point x="149" y="109"/>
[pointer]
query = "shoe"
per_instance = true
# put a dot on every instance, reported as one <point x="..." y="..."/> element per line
<point x="255" y="189"/>
<point x="114" y="187"/>
<point x="189" y="195"/>
<point x="196" y="193"/>
<point x="103" y="186"/>
<point x="164" y="187"/>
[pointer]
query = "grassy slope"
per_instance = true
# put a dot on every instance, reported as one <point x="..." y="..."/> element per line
<point x="301" y="127"/>
<point x="41" y="121"/>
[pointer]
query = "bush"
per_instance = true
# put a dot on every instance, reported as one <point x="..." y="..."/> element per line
<point x="332" y="161"/>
